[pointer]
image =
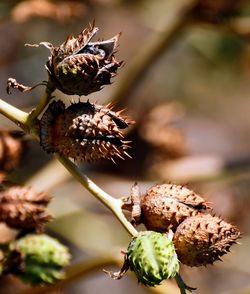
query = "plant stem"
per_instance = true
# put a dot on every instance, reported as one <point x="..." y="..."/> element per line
<point x="181" y="284"/>
<point x="111" y="203"/>
<point x="42" y="104"/>
<point x="16" y="115"/>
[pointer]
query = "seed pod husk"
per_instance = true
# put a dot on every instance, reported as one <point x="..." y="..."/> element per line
<point x="164" y="207"/>
<point x="83" y="131"/>
<point x="80" y="66"/>
<point x="203" y="239"/>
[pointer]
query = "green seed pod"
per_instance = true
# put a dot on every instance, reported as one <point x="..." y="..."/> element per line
<point x="43" y="259"/>
<point x="152" y="257"/>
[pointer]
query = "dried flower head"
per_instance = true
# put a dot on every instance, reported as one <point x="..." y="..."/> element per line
<point x="203" y="239"/>
<point x="80" y="66"/>
<point x="164" y="207"/>
<point x="22" y="208"/>
<point x="83" y="131"/>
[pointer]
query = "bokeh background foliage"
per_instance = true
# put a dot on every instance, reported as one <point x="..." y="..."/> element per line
<point x="186" y="84"/>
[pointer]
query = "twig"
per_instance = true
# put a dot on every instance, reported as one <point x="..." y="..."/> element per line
<point x="16" y="115"/>
<point x="110" y="202"/>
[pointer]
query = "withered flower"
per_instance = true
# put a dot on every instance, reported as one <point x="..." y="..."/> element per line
<point x="80" y="66"/>
<point x="23" y="208"/>
<point x="83" y="131"/>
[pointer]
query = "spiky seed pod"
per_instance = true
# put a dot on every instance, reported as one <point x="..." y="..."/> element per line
<point x="152" y="257"/>
<point x="22" y="208"/>
<point x="11" y="148"/>
<point x="203" y="239"/>
<point x="81" y="67"/>
<point x="164" y="207"/>
<point x="43" y="259"/>
<point x="83" y="131"/>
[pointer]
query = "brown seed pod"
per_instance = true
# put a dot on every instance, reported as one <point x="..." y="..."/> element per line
<point x="11" y="148"/>
<point x="83" y="131"/>
<point x="81" y="67"/>
<point x="164" y="207"/>
<point x="159" y="129"/>
<point x="22" y="208"/>
<point x="203" y="239"/>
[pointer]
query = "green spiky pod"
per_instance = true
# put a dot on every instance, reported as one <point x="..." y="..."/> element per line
<point x="43" y="259"/>
<point x="81" y="67"/>
<point x="152" y="257"/>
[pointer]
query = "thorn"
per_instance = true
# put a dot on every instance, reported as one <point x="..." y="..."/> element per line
<point x="113" y="160"/>
<point x="127" y="154"/>
<point x="118" y="155"/>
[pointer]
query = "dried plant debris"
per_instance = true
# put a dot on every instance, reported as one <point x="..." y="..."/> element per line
<point x="23" y="208"/>
<point x="84" y="131"/>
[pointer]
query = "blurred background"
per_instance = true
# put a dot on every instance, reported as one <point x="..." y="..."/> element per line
<point x="186" y="83"/>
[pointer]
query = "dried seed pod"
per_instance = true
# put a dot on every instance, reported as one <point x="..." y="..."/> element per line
<point x="43" y="259"/>
<point x="203" y="239"/>
<point x="81" y="67"/>
<point x="11" y="148"/>
<point x="83" y="131"/>
<point x="22" y="208"/>
<point x="158" y="129"/>
<point x="164" y="207"/>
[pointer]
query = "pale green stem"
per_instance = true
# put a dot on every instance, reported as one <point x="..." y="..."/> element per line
<point x="42" y="104"/>
<point x="111" y="203"/>
<point x="16" y="115"/>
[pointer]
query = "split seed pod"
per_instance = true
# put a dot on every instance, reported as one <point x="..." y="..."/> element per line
<point x="22" y="208"/>
<point x="80" y="66"/>
<point x="164" y="207"/>
<point x="203" y="239"/>
<point x="83" y="131"/>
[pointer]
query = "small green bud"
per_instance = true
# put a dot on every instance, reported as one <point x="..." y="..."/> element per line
<point x="43" y="259"/>
<point x="152" y="257"/>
